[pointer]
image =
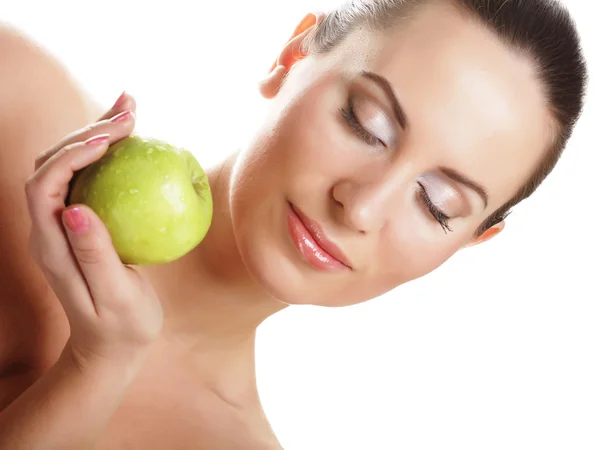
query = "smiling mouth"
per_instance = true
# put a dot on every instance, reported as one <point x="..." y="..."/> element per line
<point x="312" y="243"/>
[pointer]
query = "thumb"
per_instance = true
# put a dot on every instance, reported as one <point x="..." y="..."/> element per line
<point x="92" y="247"/>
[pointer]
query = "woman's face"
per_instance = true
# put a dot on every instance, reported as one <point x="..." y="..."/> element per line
<point x="345" y="194"/>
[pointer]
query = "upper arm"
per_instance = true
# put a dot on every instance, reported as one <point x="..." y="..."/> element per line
<point x="40" y="102"/>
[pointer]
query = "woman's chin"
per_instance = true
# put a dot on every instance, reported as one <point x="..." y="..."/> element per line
<point x="291" y="281"/>
<point x="279" y="277"/>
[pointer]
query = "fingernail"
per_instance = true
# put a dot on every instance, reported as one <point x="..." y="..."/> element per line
<point x="100" y="139"/>
<point x="120" y="100"/>
<point x="76" y="220"/>
<point x="121" y="117"/>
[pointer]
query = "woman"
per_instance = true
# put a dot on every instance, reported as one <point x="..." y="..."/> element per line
<point x="400" y="132"/>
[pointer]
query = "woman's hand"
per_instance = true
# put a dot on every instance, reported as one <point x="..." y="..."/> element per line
<point x="114" y="314"/>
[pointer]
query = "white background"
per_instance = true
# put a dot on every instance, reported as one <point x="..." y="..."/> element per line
<point x="498" y="349"/>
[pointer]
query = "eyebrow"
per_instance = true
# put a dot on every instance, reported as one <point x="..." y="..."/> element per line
<point x="385" y="85"/>
<point x="462" y="179"/>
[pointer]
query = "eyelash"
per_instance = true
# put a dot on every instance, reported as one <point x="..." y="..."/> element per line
<point x="438" y="215"/>
<point x="350" y="117"/>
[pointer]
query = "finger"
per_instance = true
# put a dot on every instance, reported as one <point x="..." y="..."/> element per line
<point x="52" y="179"/>
<point x="118" y="127"/>
<point x="45" y="200"/>
<point x="125" y="102"/>
<point x="46" y="189"/>
<point x="92" y="246"/>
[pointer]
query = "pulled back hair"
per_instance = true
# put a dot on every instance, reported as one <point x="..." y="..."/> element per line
<point x="541" y="30"/>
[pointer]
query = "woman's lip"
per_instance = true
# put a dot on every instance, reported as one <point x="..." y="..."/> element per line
<point x="311" y="241"/>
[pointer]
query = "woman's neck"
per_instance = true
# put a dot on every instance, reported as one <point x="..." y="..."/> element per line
<point x="211" y="302"/>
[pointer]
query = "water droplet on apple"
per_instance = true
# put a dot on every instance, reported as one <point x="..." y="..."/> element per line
<point x="133" y="191"/>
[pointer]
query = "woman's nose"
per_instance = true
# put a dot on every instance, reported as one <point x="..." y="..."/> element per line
<point x="366" y="206"/>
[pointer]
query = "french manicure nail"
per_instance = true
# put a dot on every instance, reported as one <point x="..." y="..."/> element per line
<point x="76" y="220"/>
<point x="121" y="117"/>
<point x="100" y="139"/>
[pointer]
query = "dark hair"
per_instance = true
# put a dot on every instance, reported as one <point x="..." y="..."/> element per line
<point x="541" y="29"/>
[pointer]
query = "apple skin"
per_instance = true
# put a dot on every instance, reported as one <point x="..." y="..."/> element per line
<point x="153" y="197"/>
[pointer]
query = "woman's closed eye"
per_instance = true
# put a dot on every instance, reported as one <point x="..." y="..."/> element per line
<point x="441" y="198"/>
<point x="369" y="122"/>
<point x="441" y="217"/>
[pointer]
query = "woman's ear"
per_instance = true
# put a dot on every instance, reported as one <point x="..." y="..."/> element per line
<point x="292" y="52"/>
<point x="487" y="234"/>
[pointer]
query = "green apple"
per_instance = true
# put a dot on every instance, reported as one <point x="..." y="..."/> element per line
<point x="153" y="197"/>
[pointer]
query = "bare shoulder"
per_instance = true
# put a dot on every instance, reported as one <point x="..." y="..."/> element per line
<point x="39" y="103"/>
<point x="39" y="99"/>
